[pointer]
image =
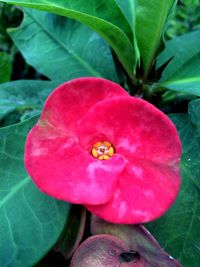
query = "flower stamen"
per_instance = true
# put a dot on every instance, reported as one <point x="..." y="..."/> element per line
<point x="102" y="150"/>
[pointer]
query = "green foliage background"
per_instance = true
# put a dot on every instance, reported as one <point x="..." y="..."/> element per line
<point x="28" y="75"/>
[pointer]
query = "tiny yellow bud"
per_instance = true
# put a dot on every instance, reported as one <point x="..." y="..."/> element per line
<point x="102" y="150"/>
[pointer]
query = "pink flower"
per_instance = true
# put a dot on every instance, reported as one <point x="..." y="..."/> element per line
<point x="95" y="145"/>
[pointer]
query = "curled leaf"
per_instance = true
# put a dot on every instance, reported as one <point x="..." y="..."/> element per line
<point x="137" y="238"/>
<point x="105" y="250"/>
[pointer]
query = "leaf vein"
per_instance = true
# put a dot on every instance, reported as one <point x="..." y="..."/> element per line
<point x="14" y="191"/>
<point x="69" y="51"/>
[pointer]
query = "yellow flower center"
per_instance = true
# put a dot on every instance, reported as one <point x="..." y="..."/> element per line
<point x="102" y="150"/>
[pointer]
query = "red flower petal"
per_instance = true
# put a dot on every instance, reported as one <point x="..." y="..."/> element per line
<point x="135" y="128"/>
<point x="144" y="192"/>
<point x="53" y="157"/>
<point x="84" y="111"/>
<point x="67" y="104"/>
<point x="150" y="143"/>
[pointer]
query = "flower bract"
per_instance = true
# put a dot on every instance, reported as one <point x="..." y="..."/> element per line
<point x="116" y="154"/>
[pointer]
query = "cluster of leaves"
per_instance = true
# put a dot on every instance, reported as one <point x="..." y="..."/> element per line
<point x="9" y="16"/>
<point x="127" y="41"/>
<point x="185" y="18"/>
<point x="12" y="64"/>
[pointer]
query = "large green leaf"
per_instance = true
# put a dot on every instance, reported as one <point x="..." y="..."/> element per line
<point x="178" y="230"/>
<point x="180" y="50"/>
<point x="150" y="21"/>
<point x="128" y="7"/>
<point x="30" y="221"/>
<point x="62" y="48"/>
<point x="5" y="67"/>
<point x="23" y="97"/>
<point x="104" y="17"/>
<point x="187" y="77"/>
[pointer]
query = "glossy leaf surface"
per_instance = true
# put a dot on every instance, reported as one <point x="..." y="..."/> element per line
<point x="150" y="21"/>
<point x="180" y="50"/>
<point x="128" y="7"/>
<point x="178" y="231"/>
<point x="187" y="77"/>
<point x="23" y="97"/>
<point x="104" y="17"/>
<point x="30" y="222"/>
<point x="67" y="47"/>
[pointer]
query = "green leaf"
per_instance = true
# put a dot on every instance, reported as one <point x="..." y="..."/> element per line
<point x="67" y="49"/>
<point x="187" y="77"/>
<point x="30" y="221"/>
<point x="104" y="17"/>
<point x="150" y="21"/>
<point x="180" y="49"/>
<point x="23" y="97"/>
<point x="5" y="67"/>
<point x="178" y="230"/>
<point x="128" y="7"/>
